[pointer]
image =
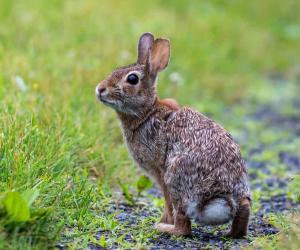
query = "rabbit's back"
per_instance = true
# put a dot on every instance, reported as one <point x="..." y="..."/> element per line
<point x="203" y="161"/>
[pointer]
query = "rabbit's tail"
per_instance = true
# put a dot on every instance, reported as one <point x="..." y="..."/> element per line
<point x="216" y="212"/>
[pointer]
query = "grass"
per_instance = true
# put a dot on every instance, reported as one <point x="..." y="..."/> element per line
<point x="58" y="143"/>
<point x="288" y="238"/>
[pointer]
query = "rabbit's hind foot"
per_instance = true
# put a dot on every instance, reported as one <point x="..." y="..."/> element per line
<point x="239" y="226"/>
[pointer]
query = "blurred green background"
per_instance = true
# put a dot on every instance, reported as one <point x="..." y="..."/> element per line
<point x="57" y="139"/>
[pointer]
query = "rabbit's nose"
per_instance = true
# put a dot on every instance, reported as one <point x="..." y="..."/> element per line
<point x="101" y="90"/>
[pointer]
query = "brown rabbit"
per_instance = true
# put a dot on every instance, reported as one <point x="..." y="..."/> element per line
<point x="193" y="160"/>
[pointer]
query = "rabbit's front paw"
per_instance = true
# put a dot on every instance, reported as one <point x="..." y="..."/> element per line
<point x="167" y="218"/>
<point x="171" y="229"/>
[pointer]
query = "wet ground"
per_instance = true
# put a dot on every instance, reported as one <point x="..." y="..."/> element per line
<point x="264" y="177"/>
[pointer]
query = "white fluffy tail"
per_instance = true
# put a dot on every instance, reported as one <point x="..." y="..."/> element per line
<point x="215" y="212"/>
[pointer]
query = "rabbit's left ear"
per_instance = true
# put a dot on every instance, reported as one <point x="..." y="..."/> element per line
<point x="144" y="47"/>
<point x="159" y="56"/>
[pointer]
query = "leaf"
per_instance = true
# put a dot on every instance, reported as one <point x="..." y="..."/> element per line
<point x="30" y="196"/>
<point x="16" y="207"/>
<point x="143" y="183"/>
<point x="127" y="195"/>
<point x="102" y="242"/>
<point x="158" y="202"/>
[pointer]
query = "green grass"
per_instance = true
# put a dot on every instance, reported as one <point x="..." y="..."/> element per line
<point x="57" y="140"/>
<point x="287" y="238"/>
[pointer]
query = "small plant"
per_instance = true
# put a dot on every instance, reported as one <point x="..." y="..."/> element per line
<point x="17" y="205"/>
<point x="129" y="197"/>
<point x="293" y="191"/>
<point x="142" y="184"/>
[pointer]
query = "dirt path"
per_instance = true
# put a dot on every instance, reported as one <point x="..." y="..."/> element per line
<point x="272" y="162"/>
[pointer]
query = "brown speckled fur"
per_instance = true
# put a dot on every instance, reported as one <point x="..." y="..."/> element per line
<point x="192" y="159"/>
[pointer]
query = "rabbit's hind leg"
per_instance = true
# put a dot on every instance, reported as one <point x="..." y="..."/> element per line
<point x="182" y="226"/>
<point x="239" y="226"/>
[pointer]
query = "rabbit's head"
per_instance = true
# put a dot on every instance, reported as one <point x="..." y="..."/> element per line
<point x="131" y="89"/>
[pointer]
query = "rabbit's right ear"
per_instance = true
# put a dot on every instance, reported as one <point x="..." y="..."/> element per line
<point x="159" y="55"/>
<point x="145" y="43"/>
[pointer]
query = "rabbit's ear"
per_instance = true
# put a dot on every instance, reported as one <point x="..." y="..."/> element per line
<point x="144" y="47"/>
<point x="159" y="56"/>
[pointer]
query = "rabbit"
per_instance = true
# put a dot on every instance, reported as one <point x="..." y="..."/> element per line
<point x="194" y="161"/>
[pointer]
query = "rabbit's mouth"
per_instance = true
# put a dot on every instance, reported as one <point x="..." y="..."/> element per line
<point x="116" y="105"/>
<point x="112" y="104"/>
<point x="107" y="102"/>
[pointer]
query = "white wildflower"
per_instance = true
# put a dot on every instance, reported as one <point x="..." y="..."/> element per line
<point x="21" y="83"/>
<point x="176" y="78"/>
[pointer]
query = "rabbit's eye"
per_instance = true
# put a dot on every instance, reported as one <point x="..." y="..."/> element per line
<point x="132" y="79"/>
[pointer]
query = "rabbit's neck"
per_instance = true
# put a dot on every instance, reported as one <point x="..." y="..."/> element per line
<point x="132" y="122"/>
<point x="160" y="107"/>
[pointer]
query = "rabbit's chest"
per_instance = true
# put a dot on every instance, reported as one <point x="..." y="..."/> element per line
<point x="147" y="145"/>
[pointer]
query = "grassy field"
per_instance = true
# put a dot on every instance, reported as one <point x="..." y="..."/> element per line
<point x="62" y="157"/>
